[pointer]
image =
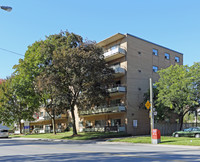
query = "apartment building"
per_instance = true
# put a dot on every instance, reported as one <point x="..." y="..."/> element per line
<point x="43" y="123"/>
<point x="134" y="61"/>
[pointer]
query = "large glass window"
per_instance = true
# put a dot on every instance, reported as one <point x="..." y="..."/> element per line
<point x="167" y="56"/>
<point x="155" y="52"/>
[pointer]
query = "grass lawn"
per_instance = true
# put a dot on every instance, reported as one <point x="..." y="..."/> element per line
<point x="189" y="141"/>
<point x="68" y="135"/>
<point x="167" y="140"/>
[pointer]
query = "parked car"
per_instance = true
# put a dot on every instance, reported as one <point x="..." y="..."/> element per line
<point x="189" y="132"/>
<point x="4" y="133"/>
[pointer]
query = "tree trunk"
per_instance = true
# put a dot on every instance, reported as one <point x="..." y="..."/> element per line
<point x="54" y="124"/>
<point x="73" y="121"/>
<point x="196" y="117"/>
<point x="181" y="121"/>
<point x="20" y="126"/>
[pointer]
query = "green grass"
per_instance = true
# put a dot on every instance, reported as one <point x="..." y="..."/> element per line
<point x="105" y="135"/>
<point x="164" y="140"/>
<point x="68" y="135"/>
<point x="133" y="140"/>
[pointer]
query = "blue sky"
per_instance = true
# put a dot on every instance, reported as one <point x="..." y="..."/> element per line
<point x="172" y="23"/>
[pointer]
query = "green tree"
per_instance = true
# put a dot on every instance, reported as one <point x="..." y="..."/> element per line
<point x="37" y="58"/>
<point x="47" y="84"/>
<point x="83" y="75"/>
<point x="66" y="72"/>
<point x="176" y="90"/>
<point x="14" y="104"/>
<point x="162" y="111"/>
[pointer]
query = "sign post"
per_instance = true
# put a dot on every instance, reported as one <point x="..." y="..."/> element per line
<point x="148" y="105"/>
<point x="151" y="107"/>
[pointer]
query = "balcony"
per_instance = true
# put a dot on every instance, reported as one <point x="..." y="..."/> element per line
<point x="47" y="117"/>
<point x="105" y="129"/>
<point x="118" y="71"/>
<point x="105" y="109"/>
<point x="113" y="54"/>
<point x="117" y="90"/>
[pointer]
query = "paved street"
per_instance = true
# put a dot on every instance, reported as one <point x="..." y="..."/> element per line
<point x="39" y="150"/>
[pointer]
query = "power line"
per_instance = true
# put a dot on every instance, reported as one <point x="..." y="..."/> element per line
<point x="11" y="52"/>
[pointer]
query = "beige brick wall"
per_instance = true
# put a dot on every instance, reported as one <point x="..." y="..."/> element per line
<point x="139" y="70"/>
<point x="138" y="63"/>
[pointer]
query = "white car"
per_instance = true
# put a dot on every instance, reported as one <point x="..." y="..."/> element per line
<point x="4" y="133"/>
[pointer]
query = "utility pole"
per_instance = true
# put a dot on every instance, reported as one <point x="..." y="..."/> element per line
<point x="151" y="106"/>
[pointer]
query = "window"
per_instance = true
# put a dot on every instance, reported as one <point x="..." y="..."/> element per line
<point x="167" y="56"/>
<point x="115" y="102"/>
<point x="88" y="124"/>
<point x="155" y="52"/>
<point x="177" y="59"/>
<point x="155" y="68"/>
<point x="100" y="123"/>
<point x="115" y="122"/>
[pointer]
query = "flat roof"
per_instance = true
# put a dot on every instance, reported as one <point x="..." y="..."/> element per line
<point x="120" y="36"/>
<point x="154" y="43"/>
<point x="111" y="39"/>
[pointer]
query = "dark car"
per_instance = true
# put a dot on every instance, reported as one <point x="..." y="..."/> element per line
<point x="189" y="132"/>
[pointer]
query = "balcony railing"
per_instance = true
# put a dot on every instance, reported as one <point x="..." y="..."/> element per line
<point x="104" y="109"/>
<point x="114" y="53"/>
<point x="118" y="71"/>
<point x="117" y="89"/>
<point x="105" y="129"/>
<point x="47" y="117"/>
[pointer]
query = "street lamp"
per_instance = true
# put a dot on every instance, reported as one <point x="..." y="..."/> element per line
<point x="6" y="8"/>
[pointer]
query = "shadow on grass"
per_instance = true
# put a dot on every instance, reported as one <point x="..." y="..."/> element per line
<point x="168" y="141"/>
<point x="95" y="136"/>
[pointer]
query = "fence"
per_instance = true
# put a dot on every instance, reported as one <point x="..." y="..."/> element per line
<point x="169" y="128"/>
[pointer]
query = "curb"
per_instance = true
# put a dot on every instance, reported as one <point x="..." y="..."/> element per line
<point x="107" y="142"/>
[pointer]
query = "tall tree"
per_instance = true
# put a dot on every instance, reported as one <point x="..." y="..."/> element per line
<point x="47" y="87"/>
<point x="84" y="77"/>
<point x="37" y="58"/>
<point x="66" y="72"/>
<point x="14" y="106"/>
<point x="176" y="90"/>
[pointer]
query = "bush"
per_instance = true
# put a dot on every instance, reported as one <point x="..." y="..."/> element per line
<point x="67" y="129"/>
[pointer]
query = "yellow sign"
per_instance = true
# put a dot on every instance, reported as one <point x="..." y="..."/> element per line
<point x="148" y="105"/>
